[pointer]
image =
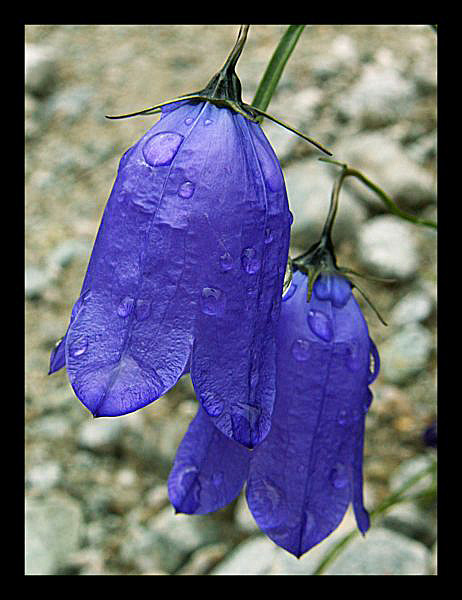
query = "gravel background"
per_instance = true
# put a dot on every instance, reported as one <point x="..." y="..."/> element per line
<point x="96" y="500"/>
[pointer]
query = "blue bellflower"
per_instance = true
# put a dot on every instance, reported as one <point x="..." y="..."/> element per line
<point x="187" y="269"/>
<point x="303" y="476"/>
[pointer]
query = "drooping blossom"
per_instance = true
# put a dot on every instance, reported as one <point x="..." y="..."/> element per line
<point x="303" y="476"/>
<point x="187" y="269"/>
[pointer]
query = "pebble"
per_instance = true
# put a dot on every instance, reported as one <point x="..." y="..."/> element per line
<point x="53" y="532"/>
<point x="405" y="353"/>
<point x="387" y="247"/>
<point x="382" y="552"/>
<point x="40" y="69"/>
<point x="380" y="96"/>
<point x="99" y="434"/>
<point x="414" y="307"/>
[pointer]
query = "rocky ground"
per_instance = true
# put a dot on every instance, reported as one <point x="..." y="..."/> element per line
<point x="96" y="493"/>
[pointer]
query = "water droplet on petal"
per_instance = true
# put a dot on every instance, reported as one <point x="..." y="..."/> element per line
<point x="268" y="235"/>
<point x="290" y="292"/>
<point x="309" y="523"/>
<point x="250" y="261"/>
<point x="78" y="346"/>
<point x="266" y="502"/>
<point x="226" y="261"/>
<point x="189" y="488"/>
<point x="125" y="307"/>
<point x="320" y="324"/>
<point x="367" y="400"/>
<point x="342" y="417"/>
<point x="218" y="478"/>
<point x="189" y="120"/>
<point x="142" y="309"/>
<point x="208" y="122"/>
<point x="186" y="189"/>
<point x="353" y="355"/>
<point x="301" y="350"/>
<point x="212" y="404"/>
<point x="161" y="148"/>
<point x="213" y="301"/>
<point x="339" y="476"/>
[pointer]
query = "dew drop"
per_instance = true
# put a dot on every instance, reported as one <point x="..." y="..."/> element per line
<point x="353" y="356"/>
<point x="218" y="478"/>
<point x="342" y="417"/>
<point x="189" y="120"/>
<point x="290" y="292"/>
<point x="208" y="122"/>
<point x="142" y="309"/>
<point x="301" y="350"/>
<point x="226" y="262"/>
<point x="309" y="524"/>
<point x="339" y="476"/>
<point x="161" y="148"/>
<point x="266" y="502"/>
<point x="125" y="307"/>
<point x="268" y="236"/>
<point x="213" y="301"/>
<point x="189" y="488"/>
<point x="212" y="404"/>
<point x="367" y="400"/>
<point x="250" y="261"/>
<point x="186" y="189"/>
<point x="320" y="324"/>
<point x="79" y="346"/>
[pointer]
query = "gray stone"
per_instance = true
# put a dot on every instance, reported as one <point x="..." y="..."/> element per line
<point x="405" y="353"/>
<point x="381" y="552"/>
<point x="409" y="469"/>
<point x="44" y="476"/>
<point x="37" y="281"/>
<point x="408" y="519"/>
<point x="53" y="529"/>
<point x="40" y="69"/>
<point x="309" y="186"/>
<point x="166" y="540"/>
<point x="387" y="247"/>
<point x="414" y="307"/>
<point x="378" y="97"/>
<point x="255" y="556"/>
<point x="99" y="434"/>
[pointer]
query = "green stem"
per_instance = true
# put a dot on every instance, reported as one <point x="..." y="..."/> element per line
<point x="349" y="172"/>
<point x="276" y="66"/>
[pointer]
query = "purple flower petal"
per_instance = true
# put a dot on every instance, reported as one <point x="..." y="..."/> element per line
<point x="243" y="224"/>
<point x="209" y="469"/>
<point x="130" y="339"/>
<point x="306" y="472"/>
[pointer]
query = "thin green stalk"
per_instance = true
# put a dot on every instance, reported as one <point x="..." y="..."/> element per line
<point x="276" y="66"/>
<point x="350" y="172"/>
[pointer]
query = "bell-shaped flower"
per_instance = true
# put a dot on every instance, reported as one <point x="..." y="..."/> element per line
<point x="303" y="476"/>
<point x="187" y="267"/>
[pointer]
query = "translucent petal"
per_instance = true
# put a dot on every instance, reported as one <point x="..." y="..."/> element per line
<point x="209" y="469"/>
<point x="306" y="472"/>
<point x="243" y="233"/>
<point x="129" y="341"/>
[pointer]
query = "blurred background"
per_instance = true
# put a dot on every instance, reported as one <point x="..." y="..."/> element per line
<point x="96" y="495"/>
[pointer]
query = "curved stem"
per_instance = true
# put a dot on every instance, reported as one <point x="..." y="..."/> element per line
<point x="237" y="50"/>
<point x="350" y="172"/>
